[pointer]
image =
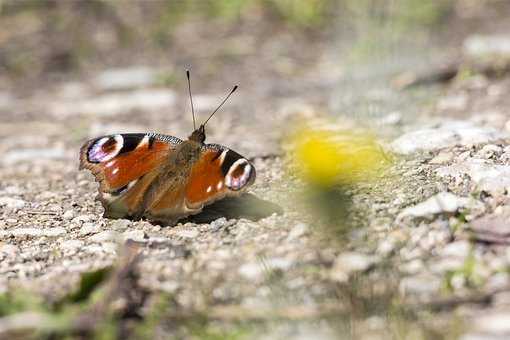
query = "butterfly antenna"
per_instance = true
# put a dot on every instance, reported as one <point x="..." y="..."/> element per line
<point x="221" y="104"/>
<point x="191" y="100"/>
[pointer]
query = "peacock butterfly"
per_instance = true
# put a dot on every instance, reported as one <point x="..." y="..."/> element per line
<point x="162" y="178"/>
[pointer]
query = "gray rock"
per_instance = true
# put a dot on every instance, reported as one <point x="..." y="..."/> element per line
<point x="71" y="245"/>
<point x="489" y="151"/>
<point x="105" y="236"/>
<point x="348" y="263"/>
<point x="445" y="135"/>
<point x="257" y="270"/>
<point x="251" y="271"/>
<point x="423" y="284"/>
<point x="218" y="223"/>
<point x="498" y="281"/>
<point x="412" y="267"/>
<point x="386" y="247"/>
<point x="423" y="140"/>
<point x="458" y="249"/>
<point x="491" y="228"/>
<point x="444" y="265"/>
<point x="442" y="158"/>
<point x="299" y="230"/>
<point x="12" y="203"/>
<point x="89" y="228"/>
<point x="443" y="202"/>
<point x="488" y="177"/>
<point x="121" y="225"/>
<point x="135" y="235"/>
<point x="494" y="323"/>
<point x="126" y="78"/>
<point x="187" y="233"/>
<point x="68" y="215"/>
<point x="83" y="218"/>
<point x="487" y="45"/>
<point x="9" y="249"/>
<point x="37" y="232"/>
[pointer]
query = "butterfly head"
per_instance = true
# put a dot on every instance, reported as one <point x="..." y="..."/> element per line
<point x="198" y="135"/>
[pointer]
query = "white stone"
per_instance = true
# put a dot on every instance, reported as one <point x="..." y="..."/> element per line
<point x="257" y="270"/>
<point x="349" y="262"/>
<point x="83" y="218"/>
<point x="386" y="247"/>
<point x="482" y="45"/>
<point x="299" y="230"/>
<point x="37" y="232"/>
<point x="251" y="271"/>
<point x="89" y="228"/>
<point x="459" y="249"/>
<point x="71" y="244"/>
<point x="187" y="233"/>
<point x="447" y="134"/>
<point x="68" y="215"/>
<point x="488" y="177"/>
<point x="498" y="322"/>
<point x="9" y="250"/>
<point x="105" y="236"/>
<point x="12" y="203"/>
<point x="412" y="267"/>
<point x="135" y="235"/>
<point x="421" y="284"/>
<point x="121" y="225"/>
<point x="443" y="202"/>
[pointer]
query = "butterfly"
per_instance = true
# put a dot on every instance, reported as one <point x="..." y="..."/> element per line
<point x="162" y="178"/>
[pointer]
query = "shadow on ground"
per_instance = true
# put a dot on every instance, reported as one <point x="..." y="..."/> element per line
<point x="246" y="206"/>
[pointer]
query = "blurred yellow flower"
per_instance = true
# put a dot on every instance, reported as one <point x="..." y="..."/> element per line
<point x="336" y="157"/>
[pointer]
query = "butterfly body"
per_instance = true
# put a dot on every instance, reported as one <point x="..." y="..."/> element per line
<point x="162" y="178"/>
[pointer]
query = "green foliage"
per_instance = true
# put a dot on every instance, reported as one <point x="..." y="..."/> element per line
<point x="19" y="301"/>
<point x="302" y="13"/>
<point x="382" y="26"/>
<point x="88" y="283"/>
<point x="467" y="272"/>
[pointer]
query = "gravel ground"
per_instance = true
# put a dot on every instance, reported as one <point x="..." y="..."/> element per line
<point x="431" y="233"/>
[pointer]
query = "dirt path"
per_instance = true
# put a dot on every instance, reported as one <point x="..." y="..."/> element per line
<point x="429" y="238"/>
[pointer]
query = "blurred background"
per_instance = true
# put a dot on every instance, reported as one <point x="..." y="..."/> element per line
<point x="291" y="58"/>
<point x="74" y="70"/>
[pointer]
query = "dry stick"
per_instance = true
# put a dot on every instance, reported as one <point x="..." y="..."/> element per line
<point x="121" y="286"/>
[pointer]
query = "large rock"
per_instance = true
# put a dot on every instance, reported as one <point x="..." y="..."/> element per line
<point x="476" y="46"/>
<point x="488" y="177"/>
<point x="445" y="135"/>
<point x="12" y="203"/>
<point x="443" y="202"/>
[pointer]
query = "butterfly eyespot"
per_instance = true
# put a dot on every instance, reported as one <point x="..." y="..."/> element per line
<point x="105" y="149"/>
<point x="239" y="174"/>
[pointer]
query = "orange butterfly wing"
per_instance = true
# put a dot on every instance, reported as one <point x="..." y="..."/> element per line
<point x="117" y="160"/>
